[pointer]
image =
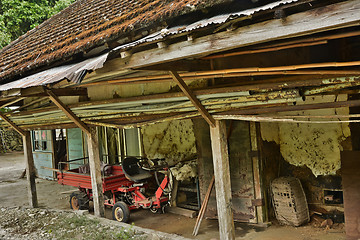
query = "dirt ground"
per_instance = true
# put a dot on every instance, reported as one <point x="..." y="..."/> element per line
<point x="13" y="192"/>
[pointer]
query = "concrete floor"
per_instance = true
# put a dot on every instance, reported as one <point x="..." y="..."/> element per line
<point x="13" y="192"/>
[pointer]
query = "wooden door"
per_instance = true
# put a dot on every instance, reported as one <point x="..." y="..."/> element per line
<point x="42" y="143"/>
<point x="241" y="172"/>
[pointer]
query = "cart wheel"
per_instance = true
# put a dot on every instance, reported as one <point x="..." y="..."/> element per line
<point x="154" y="210"/>
<point x="121" y="212"/>
<point x="79" y="201"/>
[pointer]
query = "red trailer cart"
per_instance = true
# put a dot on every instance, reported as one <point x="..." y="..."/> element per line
<point x="124" y="189"/>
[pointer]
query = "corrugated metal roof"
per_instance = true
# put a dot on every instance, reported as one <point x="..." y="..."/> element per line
<point x="74" y="73"/>
<point x="219" y="19"/>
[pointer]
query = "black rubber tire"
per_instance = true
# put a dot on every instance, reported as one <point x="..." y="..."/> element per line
<point x="154" y="210"/>
<point x="79" y="201"/>
<point x="121" y="212"/>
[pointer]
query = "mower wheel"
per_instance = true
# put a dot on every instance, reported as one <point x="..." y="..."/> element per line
<point x="79" y="201"/>
<point x="121" y="212"/>
<point x="154" y="210"/>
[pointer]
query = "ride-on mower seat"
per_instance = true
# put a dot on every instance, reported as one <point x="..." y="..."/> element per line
<point x="133" y="171"/>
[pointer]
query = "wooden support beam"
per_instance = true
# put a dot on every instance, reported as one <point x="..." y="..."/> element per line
<point x="186" y="90"/>
<point x="30" y="170"/>
<point x="289" y="108"/>
<point x="30" y="103"/>
<point x="222" y="180"/>
<point x="320" y="19"/>
<point x="12" y="102"/>
<point x="13" y="125"/>
<point x="95" y="172"/>
<point x="256" y="173"/>
<point x="203" y="207"/>
<point x="41" y="91"/>
<point x="68" y="112"/>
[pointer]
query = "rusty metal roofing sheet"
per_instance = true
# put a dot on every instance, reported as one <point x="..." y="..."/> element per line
<point x="74" y="73"/>
<point x="219" y="19"/>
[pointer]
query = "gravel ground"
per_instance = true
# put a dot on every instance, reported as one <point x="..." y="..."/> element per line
<point x="34" y="223"/>
<point x="26" y="223"/>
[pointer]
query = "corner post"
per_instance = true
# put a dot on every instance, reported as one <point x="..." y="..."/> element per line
<point x="30" y="170"/>
<point x="222" y="180"/>
<point x="95" y="172"/>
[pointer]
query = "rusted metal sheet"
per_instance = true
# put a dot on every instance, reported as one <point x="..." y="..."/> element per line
<point x="219" y="19"/>
<point x="74" y="73"/>
<point x="350" y="168"/>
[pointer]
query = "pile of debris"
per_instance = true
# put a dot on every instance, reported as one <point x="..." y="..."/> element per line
<point x="10" y="140"/>
<point x="322" y="218"/>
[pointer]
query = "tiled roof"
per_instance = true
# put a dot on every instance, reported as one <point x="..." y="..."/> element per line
<point x="85" y="25"/>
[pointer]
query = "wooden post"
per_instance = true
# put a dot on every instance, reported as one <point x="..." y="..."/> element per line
<point x="256" y="172"/>
<point x="95" y="172"/>
<point x="222" y="180"/>
<point x="67" y="111"/>
<point x="30" y="170"/>
<point x="174" y="192"/>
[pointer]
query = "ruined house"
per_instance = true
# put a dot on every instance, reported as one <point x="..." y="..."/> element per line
<point x="253" y="90"/>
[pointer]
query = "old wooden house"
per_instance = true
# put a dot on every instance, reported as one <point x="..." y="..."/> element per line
<point x="253" y="90"/>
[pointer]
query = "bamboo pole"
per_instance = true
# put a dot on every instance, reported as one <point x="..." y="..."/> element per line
<point x="269" y="49"/>
<point x="12" y="102"/>
<point x="253" y="118"/>
<point x="248" y="72"/>
<point x="289" y="44"/>
<point x="203" y="207"/>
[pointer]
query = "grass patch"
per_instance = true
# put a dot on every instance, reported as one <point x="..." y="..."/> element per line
<point x="81" y="227"/>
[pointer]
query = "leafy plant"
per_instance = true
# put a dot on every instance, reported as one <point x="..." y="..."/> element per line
<point x="19" y="16"/>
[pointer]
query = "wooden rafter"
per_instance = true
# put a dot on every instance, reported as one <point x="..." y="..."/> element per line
<point x="186" y="90"/>
<point x="40" y="91"/>
<point x="68" y="112"/>
<point x="289" y="108"/>
<point x="12" y="102"/>
<point x="13" y="125"/>
<point x="30" y="103"/>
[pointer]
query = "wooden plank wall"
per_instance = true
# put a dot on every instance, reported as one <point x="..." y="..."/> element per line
<point x="350" y="171"/>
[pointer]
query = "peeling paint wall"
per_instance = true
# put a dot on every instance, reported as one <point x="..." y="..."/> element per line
<point x="316" y="146"/>
<point x="174" y="141"/>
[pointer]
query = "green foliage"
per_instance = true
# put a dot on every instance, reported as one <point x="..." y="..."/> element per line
<point x="19" y="16"/>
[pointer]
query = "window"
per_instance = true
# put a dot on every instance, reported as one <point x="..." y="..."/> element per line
<point x="116" y="144"/>
<point x="41" y="140"/>
<point x="60" y="134"/>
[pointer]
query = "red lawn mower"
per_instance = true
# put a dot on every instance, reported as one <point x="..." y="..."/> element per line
<point x="123" y="187"/>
